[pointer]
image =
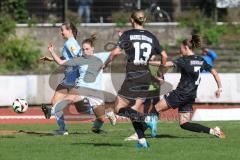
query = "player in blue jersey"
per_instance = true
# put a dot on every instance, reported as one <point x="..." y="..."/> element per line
<point x="70" y="50"/>
<point x="93" y="93"/>
<point x="88" y="85"/>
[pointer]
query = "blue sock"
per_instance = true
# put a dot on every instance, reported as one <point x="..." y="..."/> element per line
<point x="98" y="124"/>
<point x="60" y="122"/>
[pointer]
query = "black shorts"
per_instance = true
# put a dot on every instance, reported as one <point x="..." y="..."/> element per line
<point x="137" y="83"/>
<point x="151" y="102"/>
<point x="133" y="90"/>
<point x="176" y="100"/>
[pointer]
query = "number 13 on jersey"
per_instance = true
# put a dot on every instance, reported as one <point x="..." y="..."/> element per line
<point x="142" y="52"/>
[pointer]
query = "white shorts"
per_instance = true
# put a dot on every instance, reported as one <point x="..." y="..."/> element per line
<point x="94" y="101"/>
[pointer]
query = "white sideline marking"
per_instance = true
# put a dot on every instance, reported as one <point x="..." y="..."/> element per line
<point x="216" y="114"/>
<point x="41" y="117"/>
<point x="53" y="117"/>
<point x="22" y="117"/>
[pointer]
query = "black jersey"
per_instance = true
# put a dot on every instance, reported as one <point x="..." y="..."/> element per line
<point x="190" y="68"/>
<point x="139" y="46"/>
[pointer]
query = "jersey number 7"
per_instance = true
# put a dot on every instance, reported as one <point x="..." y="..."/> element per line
<point x="197" y="69"/>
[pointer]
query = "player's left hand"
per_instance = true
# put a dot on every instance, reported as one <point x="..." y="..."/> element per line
<point x="119" y="33"/>
<point x="218" y="92"/>
<point x="50" y="47"/>
<point x="45" y="58"/>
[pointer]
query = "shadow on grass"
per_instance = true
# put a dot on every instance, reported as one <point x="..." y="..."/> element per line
<point x="172" y="136"/>
<point x="7" y="136"/>
<point x="49" y="133"/>
<point x="36" y="133"/>
<point x="85" y="133"/>
<point x="99" y="144"/>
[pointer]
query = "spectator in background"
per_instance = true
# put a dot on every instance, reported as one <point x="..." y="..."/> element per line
<point x="84" y="9"/>
<point x="128" y="5"/>
<point x="209" y="56"/>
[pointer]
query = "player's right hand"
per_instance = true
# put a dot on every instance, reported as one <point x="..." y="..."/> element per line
<point x="45" y="58"/>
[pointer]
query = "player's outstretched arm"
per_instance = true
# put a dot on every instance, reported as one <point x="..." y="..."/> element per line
<point x="55" y="57"/>
<point x="116" y="52"/>
<point x="218" y="81"/>
<point x="159" y="63"/>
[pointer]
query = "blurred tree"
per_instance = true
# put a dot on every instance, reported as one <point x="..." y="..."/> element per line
<point x="16" y="9"/>
<point x="18" y="55"/>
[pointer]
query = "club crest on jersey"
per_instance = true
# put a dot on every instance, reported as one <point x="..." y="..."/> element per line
<point x="73" y="48"/>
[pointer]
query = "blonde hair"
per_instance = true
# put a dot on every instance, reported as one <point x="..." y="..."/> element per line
<point x="139" y="17"/>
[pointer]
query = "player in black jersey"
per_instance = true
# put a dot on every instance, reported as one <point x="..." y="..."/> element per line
<point x="139" y="45"/>
<point x="184" y="95"/>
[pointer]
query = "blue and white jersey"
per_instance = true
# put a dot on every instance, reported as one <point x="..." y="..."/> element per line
<point x="71" y="49"/>
<point x="97" y="84"/>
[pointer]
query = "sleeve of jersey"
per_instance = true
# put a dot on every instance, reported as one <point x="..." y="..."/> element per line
<point x="73" y="49"/>
<point x="178" y="63"/>
<point x="206" y="66"/>
<point x="122" y="41"/>
<point x="158" y="48"/>
<point x="103" y="56"/>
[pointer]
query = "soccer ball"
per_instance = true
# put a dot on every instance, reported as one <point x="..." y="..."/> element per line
<point x="20" y="105"/>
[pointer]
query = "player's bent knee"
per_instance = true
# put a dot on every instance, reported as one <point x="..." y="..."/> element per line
<point x="101" y="119"/>
<point x="99" y="111"/>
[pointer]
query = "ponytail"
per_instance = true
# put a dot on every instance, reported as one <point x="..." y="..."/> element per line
<point x="195" y="42"/>
<point x="139" y="17"/>
<point x="90" y="40"/>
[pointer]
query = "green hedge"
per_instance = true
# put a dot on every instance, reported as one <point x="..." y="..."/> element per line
<point x="18" y="55"/>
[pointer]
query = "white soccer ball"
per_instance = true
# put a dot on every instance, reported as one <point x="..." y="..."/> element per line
<point x="20" y="105"/>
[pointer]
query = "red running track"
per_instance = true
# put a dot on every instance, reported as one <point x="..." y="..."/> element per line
<point x="34" y="115"/>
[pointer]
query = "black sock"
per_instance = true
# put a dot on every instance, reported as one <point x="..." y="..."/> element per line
<point x="132" y="114"/>
<point x="139" y="128"/>
<point x="144" y="126"/>
<point x="195" y="127"/>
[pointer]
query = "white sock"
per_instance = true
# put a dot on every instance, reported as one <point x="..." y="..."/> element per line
<point x="211" y="132"/>
<point x="142" y="141"/>
<point x="52" y="111"/>
<point x="147" y="119"/>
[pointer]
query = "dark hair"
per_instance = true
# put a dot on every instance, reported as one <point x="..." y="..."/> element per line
<point x="90" y="40"/>
<point x="195" y="42"/>
<point x="70" y="25"/>
<point x="139" y="17"/>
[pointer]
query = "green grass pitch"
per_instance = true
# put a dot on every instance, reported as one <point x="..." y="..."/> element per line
<point x="172" y="143"/>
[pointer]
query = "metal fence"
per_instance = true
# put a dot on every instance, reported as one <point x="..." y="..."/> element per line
<point x="50" y="11"/>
